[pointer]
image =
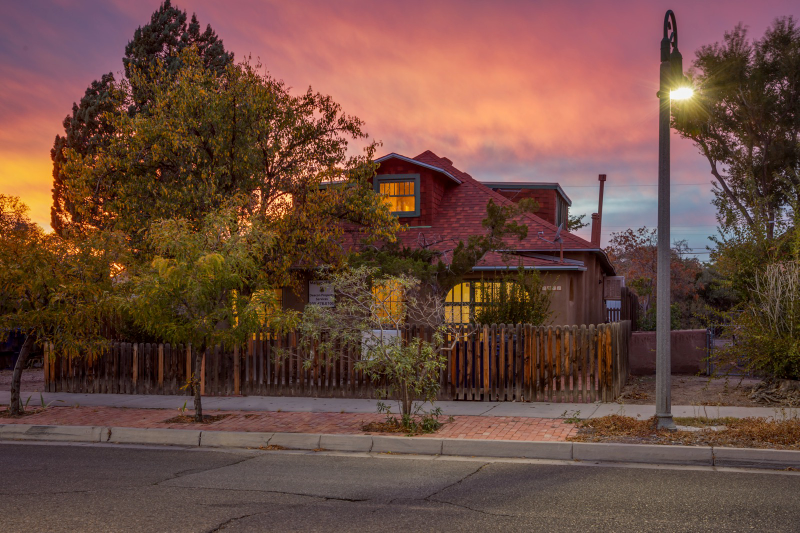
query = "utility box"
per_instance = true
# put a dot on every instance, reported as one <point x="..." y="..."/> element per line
<point x="612" y="287"/>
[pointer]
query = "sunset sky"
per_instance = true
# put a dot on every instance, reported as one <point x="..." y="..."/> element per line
<point x="555" y="91"/>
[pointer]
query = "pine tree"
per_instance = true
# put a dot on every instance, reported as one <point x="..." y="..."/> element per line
<point x="163" y="39"/>
<point x="86" y="130"/>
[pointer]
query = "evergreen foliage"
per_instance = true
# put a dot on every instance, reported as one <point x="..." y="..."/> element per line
<point x="89" y="128"/>
<point x="208" y="140"/>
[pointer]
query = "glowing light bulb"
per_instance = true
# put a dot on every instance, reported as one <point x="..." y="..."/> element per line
<point x="681" y="93"/>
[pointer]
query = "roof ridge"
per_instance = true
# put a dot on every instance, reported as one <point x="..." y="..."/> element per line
<point x="432" y="159"/>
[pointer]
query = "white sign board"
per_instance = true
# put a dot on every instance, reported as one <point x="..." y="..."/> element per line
<point x="320" y="293"/>
<point x="376" y="338"/>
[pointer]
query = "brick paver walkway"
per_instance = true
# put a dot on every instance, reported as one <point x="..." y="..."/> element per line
<point x="462" y="427"/>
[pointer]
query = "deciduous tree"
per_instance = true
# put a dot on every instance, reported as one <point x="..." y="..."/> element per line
<point x="442" y="264"/>
<point x="369" y="314"/>
<point x="205" y="286"/>
<point x="53" y="290"/>
<point x="634" y="254"/>
<point x="745" y="119"/>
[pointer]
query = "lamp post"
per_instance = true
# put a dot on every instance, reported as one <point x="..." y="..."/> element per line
<point x="673" y="86"/>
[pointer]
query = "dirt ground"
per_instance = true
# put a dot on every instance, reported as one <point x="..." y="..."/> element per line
<point x="32" y="380"/>
<point x="692" y="390"/>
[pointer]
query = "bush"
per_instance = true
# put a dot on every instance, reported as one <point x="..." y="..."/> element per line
<point x="766" y="332"/>
<point x="518" y="299"/>
<point x="647" y="322"/>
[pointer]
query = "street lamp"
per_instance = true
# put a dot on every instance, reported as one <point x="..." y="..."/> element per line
<point x="673" y="86"/>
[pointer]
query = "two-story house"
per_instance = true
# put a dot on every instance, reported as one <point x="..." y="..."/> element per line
<point x="438" y="205"/>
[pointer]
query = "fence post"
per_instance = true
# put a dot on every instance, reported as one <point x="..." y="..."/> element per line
<point x="161" y="368"/>
<point x="236" y="371"/>
<point x="135" y="366"/>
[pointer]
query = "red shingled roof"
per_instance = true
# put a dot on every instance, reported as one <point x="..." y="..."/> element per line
<point x="464" y="207"/>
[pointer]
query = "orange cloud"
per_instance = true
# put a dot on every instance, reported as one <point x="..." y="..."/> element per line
<point x="556" y="91"/>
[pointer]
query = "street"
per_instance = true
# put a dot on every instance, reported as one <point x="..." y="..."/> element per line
<point x="114" y="488"/>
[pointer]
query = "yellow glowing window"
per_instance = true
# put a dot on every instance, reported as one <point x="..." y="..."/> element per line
<point x="387" y="302"/>
<point x="401" y="195"/>
<point x="463" y="300"/>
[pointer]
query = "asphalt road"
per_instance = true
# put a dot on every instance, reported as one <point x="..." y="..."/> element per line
<point x="85" y="488"/>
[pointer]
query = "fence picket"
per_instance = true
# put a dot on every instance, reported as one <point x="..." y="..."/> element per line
<point x="490" y="362"/>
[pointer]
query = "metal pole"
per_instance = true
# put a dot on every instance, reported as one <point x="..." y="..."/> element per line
<point x="663" y="365"/>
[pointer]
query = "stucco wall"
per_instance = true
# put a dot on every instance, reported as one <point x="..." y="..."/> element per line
<point x="687" y="347"/>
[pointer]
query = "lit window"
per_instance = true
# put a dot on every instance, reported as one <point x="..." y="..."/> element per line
<point x="387" y="302"/>
<point x="401" y="192"/>
<point x="465" y="299"/>
<point x="400" y="195"/>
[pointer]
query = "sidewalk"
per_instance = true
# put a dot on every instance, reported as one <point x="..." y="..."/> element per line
<point x="349" y="405"/>
<point x="477" y="429"/>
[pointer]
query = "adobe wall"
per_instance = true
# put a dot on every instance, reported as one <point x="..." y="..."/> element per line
<point x="687" y="347"/>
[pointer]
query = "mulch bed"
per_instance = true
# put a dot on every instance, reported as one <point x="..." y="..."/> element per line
<point x="728" y="432"/>
<point x="189" y="419"/>
<point x="383" y="427"/>
<point x="5" y="413"/>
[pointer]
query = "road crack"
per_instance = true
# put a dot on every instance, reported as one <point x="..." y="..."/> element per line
<point x="432" y="497"/>
<point x="189" y="471"/>
<point x="463" y="479"/>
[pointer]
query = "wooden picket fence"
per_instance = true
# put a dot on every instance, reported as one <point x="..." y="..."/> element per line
<point x="489" y="363"/>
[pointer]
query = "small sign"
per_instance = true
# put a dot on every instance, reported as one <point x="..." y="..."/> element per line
<point x="551" y="288"/>
<point x="320" y="293"/>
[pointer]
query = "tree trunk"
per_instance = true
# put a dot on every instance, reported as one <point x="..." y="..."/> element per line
<point x="198" y="369"/>
<point x="15" y="406"/>
<point x="406" y="401"/>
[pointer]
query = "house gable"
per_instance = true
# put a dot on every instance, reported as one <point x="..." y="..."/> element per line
<point x="553" y="202"/>
<point x="432" y="185"/>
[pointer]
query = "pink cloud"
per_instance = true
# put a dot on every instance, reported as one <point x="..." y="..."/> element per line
<point x="558" y="91"/>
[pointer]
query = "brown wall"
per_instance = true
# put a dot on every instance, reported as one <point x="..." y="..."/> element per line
<point x="580" y="300"/>
<point x="687" y="347"/>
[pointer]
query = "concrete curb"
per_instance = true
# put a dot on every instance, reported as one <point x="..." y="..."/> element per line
<point x="234" y="439"/>
<point x="172" y="437"/>
<point x="756" y="458"/>
<point x="561" y="451"/>
<point x="51" y="433"/>
<point x="642" y="453"/>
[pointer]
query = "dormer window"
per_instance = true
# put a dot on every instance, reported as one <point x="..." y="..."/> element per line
<point x="401" y="192"/>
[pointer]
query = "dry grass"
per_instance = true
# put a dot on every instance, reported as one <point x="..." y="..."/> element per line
<point x="737" y="433"/>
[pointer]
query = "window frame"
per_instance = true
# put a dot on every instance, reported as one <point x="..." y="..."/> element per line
<point x="385" y="178"/>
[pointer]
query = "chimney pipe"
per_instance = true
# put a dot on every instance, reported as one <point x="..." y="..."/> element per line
<point x="597" y="218"/>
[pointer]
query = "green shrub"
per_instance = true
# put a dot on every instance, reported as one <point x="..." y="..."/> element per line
<point x="517" y="299"/>
<point x="766" y="337"/>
